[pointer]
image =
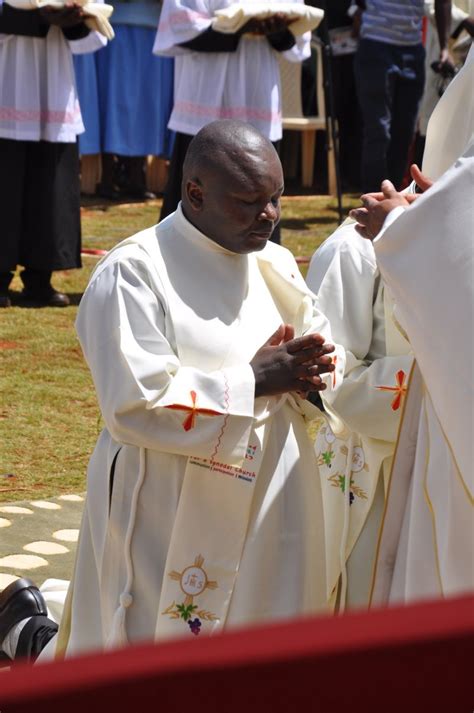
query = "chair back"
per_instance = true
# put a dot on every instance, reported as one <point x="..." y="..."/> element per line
<point x="290" y="78"/>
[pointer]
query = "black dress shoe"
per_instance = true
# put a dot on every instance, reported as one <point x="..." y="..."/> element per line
<point x="140" y="194"/>
<point x="20" y="600"/>
<point x="48" y="297"/>
<point x="112" y="193"/>
<point x="5" y="300"/>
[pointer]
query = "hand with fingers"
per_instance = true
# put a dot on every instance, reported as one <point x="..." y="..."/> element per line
<point x="422" y="181"/>
<point x="371" y="217"/>
<point x="285" y="364"/>
<point x="376" y="206"/>
<point x="68" y="16"/>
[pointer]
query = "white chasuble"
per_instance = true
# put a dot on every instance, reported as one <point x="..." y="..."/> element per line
<point x="204" y="504"/>
<point x="356" y="440"/>
<point x="426" y="257"/>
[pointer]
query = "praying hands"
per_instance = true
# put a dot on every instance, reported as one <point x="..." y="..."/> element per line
<point x="286" y="364"/>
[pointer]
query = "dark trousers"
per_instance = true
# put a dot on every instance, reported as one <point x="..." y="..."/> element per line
<point x="172" y="194"/>
<point x="390" y="81"/>
<point x="39" y="206"/>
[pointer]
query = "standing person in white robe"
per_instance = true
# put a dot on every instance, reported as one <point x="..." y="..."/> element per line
<point x="40" y="119"/>
<point x="222" y="74"/>
<point x="356" y="440"/>
<point x="352" y="294"/>
<point x="204" y="503"/>
<point x="459" y="21"/>
<point x="425" y="256"/>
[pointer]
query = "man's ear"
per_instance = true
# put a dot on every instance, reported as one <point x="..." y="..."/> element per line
<point x="194" y="194"/>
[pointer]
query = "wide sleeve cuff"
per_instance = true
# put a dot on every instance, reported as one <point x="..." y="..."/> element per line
<point x="77" y="32"/>
<point x="282" y="41"/>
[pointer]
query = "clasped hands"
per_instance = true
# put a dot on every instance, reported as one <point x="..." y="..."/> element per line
<point x="376" y="206"/>
<point x="285" y="364"/>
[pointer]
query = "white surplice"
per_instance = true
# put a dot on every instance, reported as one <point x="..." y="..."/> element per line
<point x="356" y="441"/>
<point x="426" y="257"/>
<point x="38" y="96"/>
<point x="96" y="13"/>
<point x="243" y="85"/>
<point x="168" y="325"/>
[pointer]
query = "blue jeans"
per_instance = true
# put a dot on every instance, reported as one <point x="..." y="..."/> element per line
<point x="390" y="81"/>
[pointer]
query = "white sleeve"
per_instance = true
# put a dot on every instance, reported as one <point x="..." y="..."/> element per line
<point x="147" y="397"/>
<point x="346" y="282"/>
<point x="181" y="21"/>
<point x="93" y="42"/>
<point x="301" y="49"/>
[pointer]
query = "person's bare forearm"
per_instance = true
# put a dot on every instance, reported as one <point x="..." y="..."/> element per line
<point x="443" y="25"/>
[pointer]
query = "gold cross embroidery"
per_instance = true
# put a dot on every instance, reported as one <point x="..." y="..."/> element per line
<point x="193" y="580"/>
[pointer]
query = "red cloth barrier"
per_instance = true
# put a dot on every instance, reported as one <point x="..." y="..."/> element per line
<point x="400" y="660"/>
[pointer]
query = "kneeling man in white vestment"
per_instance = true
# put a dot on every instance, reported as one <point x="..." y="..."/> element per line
<point x="204" y="507"/>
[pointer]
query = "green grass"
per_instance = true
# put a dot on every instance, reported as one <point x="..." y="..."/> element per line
<point x="49" y="419"/>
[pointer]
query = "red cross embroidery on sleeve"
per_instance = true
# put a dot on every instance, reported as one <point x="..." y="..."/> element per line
<point x="399" y="390"/>
<point x="190" y="420"/>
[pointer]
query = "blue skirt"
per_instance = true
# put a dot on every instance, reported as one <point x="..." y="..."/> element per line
<point x="87" y="90"/>
<point x="135" y="94"/>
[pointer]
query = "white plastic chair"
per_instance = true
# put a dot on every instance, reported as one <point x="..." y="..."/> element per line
<point x="294" y="119"/>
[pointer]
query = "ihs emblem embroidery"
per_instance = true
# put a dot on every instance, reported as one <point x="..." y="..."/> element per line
<point x="193" y="582"/>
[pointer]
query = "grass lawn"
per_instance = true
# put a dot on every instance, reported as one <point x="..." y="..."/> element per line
<point x="49" y="420"/>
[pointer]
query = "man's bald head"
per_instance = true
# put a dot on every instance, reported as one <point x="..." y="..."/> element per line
<point x="225" y="145"/>
<point x="230" y="165"/>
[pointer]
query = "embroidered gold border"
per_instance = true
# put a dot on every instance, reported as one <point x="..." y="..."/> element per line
<point x="430" y="504"/>
<point x="382" y="523"/>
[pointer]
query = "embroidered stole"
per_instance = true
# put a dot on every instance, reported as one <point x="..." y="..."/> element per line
<point x="214" y="509"/>
<point x="350" y="465"/>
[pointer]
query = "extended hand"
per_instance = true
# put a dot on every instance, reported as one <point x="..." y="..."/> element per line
<point x="68" y="16"/>
<point x="285" y="364"/>
<point x="371" y="217"/>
